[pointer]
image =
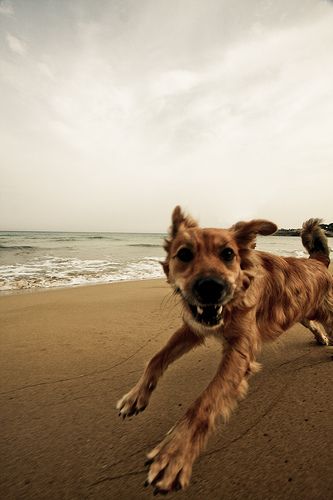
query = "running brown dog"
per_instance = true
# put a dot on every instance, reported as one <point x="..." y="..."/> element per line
<point x="241" y="296"/>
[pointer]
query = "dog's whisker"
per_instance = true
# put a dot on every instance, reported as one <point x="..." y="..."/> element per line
<point x="170" y="302"/>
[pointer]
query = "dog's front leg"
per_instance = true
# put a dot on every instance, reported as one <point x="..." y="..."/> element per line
<point x="136" y="400"/>
<point x="171" y="461"/>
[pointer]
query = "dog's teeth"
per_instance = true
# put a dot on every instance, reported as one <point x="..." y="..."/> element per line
<point x="220" y="309"/>
<point x="200" y="310"/>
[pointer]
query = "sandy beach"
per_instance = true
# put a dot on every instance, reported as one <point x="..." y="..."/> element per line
<point x="67" y="355"/>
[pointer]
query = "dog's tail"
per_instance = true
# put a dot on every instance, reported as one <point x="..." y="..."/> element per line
<point x="315" y="241"/>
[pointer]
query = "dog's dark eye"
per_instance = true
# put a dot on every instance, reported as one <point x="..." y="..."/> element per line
<point x="227" y="254"/>
<point x="185" y="254"/>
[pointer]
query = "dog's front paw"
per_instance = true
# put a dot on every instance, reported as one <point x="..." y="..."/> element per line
<point x="133" y="402"/>
<point x="171" y="461"/>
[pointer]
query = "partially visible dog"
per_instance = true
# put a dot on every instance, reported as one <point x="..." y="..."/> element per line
<point x="243" y="297"/>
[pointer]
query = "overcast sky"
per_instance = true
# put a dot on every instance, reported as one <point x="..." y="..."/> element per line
<point x="114" y="111"/>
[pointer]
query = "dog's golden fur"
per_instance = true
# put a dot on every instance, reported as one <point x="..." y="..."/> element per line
<point x="242" y="297"/>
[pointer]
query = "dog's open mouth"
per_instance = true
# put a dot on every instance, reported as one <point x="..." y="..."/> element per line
<point x="207" y="315"/>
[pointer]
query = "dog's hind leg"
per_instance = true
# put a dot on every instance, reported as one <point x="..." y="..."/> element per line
<point x="317" y="330"/>
<point x="328" y="325"/>
<point x="136" y="400"/>
<point x="326" y="315"/>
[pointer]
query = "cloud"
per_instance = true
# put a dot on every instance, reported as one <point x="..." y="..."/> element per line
<point x="16" y="45"/>
<point x="234" y="122"/>
<point x="6" y="9"/>
<point x="174" y="82"/>
<point x="46" y="70"/>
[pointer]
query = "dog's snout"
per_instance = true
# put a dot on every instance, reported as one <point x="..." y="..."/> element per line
<point x="209" y="290"/>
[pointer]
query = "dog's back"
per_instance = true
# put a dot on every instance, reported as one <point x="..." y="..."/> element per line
<point x="297" y="287"/>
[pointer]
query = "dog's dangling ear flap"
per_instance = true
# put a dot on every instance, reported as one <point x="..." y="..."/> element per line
<point x="178" y="219"/>
<point x="245" y="232"/>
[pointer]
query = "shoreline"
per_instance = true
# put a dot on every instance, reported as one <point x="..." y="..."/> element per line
<point x="32" y="290"/>
<point x="23" y="291"/>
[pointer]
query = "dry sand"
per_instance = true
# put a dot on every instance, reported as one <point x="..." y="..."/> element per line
<point x="68" y="355"/>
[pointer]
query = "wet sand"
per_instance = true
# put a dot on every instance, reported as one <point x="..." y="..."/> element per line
<point x="68" y="355"/>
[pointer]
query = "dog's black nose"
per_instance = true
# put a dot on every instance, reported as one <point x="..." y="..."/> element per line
<point x="209" y="290"/>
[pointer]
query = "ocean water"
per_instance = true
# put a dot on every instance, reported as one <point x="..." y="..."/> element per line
<point x="32" y="260"/>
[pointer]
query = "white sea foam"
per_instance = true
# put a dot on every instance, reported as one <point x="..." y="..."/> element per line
<point x="60" y="272"/>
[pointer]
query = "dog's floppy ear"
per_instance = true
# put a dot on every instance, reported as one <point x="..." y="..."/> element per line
<point x="245" y="232"/>
<point x="180" y="219"/>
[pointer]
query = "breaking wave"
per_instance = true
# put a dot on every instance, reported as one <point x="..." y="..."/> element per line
<point x="16" y="247"/>
<point x="52" y="272"/>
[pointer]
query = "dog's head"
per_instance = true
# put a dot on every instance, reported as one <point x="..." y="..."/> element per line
<point x="208" y="267"/>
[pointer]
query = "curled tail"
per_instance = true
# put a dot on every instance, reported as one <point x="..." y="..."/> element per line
<point x="315" y="241"/>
